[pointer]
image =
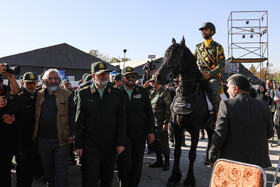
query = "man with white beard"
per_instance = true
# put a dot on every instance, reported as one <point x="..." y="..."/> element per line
<point x="100" y="128"/>
<point x="53" y="131"/>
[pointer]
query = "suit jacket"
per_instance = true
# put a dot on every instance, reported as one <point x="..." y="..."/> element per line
<point x="242" y="129"/>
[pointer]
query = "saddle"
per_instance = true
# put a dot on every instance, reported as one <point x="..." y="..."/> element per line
<point x="186" y="105"/>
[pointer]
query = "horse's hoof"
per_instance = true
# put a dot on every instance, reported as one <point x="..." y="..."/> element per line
<point x="172" y="183"/>
<point x="174" y="180"/>
<point x="189" y="182"/>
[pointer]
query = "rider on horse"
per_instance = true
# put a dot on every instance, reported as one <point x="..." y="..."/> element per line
<point x="211" y="62"/>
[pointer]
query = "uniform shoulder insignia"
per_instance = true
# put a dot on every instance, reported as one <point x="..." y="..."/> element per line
<point x="198" y="45"/>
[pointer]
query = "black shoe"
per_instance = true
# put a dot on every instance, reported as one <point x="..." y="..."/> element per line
<point x="183" y="145"/>
<point x="156" y="164"/>
<point x="202" y="137"/>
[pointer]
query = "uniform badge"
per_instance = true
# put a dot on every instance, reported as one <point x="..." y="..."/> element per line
<point x="128" y="69"/>
<point x="138" y="96"/>
<point x="92" y="91"/>
<point x="31" y="76"/>
<point x="109" y="90"/>
<point x="207" y="59"/>
<point x="32" y="97"/>
<point x="137" y="90"/>
<point x="203" y="54"/>
<point x="101" y="66"/>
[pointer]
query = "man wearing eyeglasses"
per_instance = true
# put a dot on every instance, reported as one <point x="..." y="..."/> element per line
<point x="140" y="125"/>
<point x="54" y="125"/>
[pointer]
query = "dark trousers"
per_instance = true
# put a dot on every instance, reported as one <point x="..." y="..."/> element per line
<point x="130" y="162"/>
<point x="98" y="165"/>
<point x="54" y="161"/>
<point x="25" y="168"/>
<point x="6" y="155"/>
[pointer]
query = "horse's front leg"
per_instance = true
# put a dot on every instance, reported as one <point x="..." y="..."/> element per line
<point x="176" y="173"/>
<point x="190" y="180"/>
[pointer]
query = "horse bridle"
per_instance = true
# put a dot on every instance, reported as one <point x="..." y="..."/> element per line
<point x="173" y="66"/>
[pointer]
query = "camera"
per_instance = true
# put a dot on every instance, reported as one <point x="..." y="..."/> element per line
<point x="12" y="69"/>
<point x="150" y="65"/>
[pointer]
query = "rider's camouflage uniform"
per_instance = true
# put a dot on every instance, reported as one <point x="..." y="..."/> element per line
<point x="211" y="59"/>
<point x="161" y="101"/>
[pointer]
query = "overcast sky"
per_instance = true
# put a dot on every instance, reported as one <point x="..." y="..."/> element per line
<point x="143" y="27"/>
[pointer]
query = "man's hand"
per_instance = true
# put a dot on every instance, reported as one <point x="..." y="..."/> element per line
<point x="3" y="102"/>
<point x="147" y="84"/>
<point x="165" y="127"/>
<point x="206" y="75"/>
<point x="151" y="138"/>
<point x="70" y="140"/>
<point x="120" y="149"/>
<point x="8" y="119"/>
<point x="79" y="152"/>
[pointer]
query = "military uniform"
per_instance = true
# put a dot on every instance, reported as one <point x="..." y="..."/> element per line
<point x="100" y="128"/>
<point x="211" y="59"/>
<point x="139" y="123"/>
<point x="22" y="106"/>
<point x="161" y="101"/>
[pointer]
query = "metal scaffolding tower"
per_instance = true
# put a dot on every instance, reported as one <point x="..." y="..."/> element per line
<point x="247" y="39"/>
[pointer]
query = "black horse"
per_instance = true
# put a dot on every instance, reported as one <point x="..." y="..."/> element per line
<point x="189" y="107"/>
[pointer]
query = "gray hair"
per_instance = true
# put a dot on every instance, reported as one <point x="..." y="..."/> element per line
<point x="47" y="74"/>
<point x="240" y="81"/>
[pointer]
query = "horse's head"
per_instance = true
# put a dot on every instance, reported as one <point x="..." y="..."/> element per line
<point x="170" y="67"/>
<point x="178" y="59"/>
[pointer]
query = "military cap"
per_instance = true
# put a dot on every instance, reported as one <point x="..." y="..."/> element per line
<point x="98" y="68"/>
<point x="208" y="25"/>
<point x="65" y="81"/>
<point x="118" y="77"/>
<point x="30" y="77"/>
<point x="128" y="70"/>
<point x="85" y="75"/>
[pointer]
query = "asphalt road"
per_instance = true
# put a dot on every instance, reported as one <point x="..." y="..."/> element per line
<point x="155" y="177"/>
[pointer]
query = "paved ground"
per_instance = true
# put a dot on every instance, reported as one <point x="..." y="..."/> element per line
<point x="156" y="177"/>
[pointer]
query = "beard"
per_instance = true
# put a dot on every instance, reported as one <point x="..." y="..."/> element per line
<point x="129" y="84"/>
<point x="206" y="36"/>
<point x="102" y="82"/>
<point x="52" y="87"/>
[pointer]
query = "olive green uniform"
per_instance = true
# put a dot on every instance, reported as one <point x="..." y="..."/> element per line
<point x="211" y="59"/>
<point x="161" y="101"/>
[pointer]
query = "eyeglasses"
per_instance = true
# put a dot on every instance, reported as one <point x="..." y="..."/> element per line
<point x="53" y="78"/>
<point x="130" y="75"/>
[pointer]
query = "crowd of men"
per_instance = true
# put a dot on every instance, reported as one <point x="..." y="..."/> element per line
<point x="112" y="116"/>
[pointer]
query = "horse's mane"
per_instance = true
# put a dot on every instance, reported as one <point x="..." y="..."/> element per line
<point x="191" y="67"/>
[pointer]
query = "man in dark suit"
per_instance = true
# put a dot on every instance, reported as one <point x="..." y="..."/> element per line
<point x="243" y="126"/>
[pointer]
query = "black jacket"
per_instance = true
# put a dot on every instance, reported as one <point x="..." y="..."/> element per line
<point x="139" y="113"/>
<point x="23" y="107"/>
<point x="100" y="122"/>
